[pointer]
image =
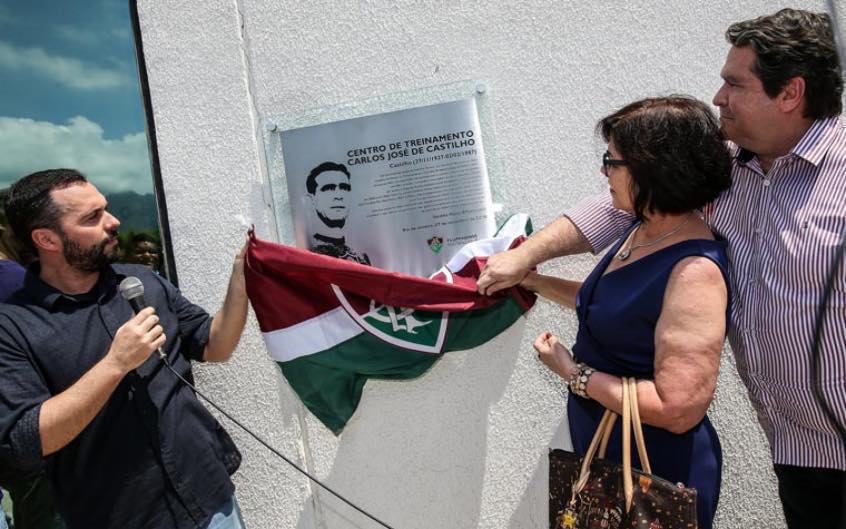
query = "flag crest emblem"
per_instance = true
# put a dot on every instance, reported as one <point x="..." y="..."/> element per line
<point x="436" y="244"/>
<point x="408" y="328"/>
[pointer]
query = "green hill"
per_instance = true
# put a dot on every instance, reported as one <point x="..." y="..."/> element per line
<point x="135" y="212"/>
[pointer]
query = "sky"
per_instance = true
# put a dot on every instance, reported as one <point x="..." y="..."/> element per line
<point x="69" y="93"/>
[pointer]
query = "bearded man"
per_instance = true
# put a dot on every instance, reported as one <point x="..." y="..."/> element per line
<point x="125" y="444"/>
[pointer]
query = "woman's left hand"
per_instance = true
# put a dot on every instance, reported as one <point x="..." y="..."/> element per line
<point x="556" y="357"/>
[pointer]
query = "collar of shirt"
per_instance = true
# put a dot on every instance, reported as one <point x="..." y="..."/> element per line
<point x="812" y="148"/>
<point x="47" y="295"/>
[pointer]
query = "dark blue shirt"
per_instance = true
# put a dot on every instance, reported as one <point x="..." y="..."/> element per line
<point x="153" y="457"/>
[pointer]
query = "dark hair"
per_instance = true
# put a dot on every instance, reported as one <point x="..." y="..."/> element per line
<point x="4" y="199"/>
<point x="795" y="43"/>
<point x="29" y="205"/>
<point x="130" y="249"/>
<point x="311" y="181"/>
<point x="142" y="237"/>
<point x="674" y="151"/>
<point x="10" y="246"/>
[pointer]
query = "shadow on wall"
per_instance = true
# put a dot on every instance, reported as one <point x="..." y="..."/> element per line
<point x="414" y="455"/>
<point x="534" y="504"/>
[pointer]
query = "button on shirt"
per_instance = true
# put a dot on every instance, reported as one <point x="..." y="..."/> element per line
<point x="153" y="456"/>
<point x="783" y="230"/>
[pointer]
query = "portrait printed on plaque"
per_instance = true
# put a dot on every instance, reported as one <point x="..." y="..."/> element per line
<point x="329" y="187"/>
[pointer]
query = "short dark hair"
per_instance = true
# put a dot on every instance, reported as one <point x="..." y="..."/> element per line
<point x="142" y="237"/>
<point x="795" y="43"/>
<point x="674" y="151"/>
<point x="29" y="205"/>
<point x="311" y="181"/>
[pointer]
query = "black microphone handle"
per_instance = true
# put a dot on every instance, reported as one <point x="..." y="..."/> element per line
<point x="137" y="303"/>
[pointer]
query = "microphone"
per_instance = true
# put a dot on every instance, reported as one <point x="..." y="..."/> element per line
<point x="132" y="290"/>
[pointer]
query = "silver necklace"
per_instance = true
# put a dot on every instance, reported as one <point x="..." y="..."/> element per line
<point x="625" y="254"/>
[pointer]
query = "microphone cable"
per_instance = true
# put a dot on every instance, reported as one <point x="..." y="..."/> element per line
<point x="267" y="445"/>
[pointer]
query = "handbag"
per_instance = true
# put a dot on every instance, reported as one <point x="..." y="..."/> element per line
<point x="597" y="494"/>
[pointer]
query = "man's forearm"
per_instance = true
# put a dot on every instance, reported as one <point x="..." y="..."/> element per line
<point x="66" y="415"/>
<point x="554" y="240"/>
<point x="228" y="324"/>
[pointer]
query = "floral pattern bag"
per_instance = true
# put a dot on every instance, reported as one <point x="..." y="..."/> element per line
<point x="588" y="493"/>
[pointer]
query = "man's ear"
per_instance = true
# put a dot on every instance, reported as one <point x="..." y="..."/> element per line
<point x="792" y="96"/>
<point x="46" y="239"/>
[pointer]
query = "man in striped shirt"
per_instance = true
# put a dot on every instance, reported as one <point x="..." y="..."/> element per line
<point x="780" y="106"/>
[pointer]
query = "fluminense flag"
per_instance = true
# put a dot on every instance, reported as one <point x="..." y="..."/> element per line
<point x="331" y="324"/>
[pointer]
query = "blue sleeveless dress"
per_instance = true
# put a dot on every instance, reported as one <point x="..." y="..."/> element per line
<point x="617" y="316"/>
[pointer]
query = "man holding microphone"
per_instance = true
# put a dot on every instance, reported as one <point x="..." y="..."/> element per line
<point x="126" y="444"/>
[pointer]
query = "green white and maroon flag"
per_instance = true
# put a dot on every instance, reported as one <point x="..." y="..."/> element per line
<point x="331" y="324"/>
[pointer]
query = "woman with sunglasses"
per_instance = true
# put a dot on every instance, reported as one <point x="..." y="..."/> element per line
<point x="656" y="305"/>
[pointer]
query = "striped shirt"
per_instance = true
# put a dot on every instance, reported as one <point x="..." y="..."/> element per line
<point x="783" y="230"/>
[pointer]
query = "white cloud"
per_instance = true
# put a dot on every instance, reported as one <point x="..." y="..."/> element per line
<point x="121" y="33"/>
<point x="66" y="70"/>
<point x="93" y="37"/>
<point x="111" y="165"/>
<point x="76" y="35"/>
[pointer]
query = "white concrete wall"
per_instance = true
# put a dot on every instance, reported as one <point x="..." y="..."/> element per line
<point x="464" y="445"/>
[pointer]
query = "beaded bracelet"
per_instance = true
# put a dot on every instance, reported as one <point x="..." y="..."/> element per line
<point x="578" y="384"/>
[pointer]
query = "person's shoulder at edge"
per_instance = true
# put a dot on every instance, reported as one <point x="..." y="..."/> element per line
<point x="17" y="296"/>
<point x="7" y="265"/>
<point x="11" y="278"/>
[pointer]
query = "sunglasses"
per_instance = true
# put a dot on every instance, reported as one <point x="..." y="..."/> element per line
<point x="608" y="161"/>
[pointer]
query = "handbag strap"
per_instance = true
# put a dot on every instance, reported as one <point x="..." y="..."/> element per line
<point x="603" y="445"/>
<point x="631" y="421"/>
<point x="628" y="489"/>
<point x="638" y="428"/>
<point x="606" y="423"/>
